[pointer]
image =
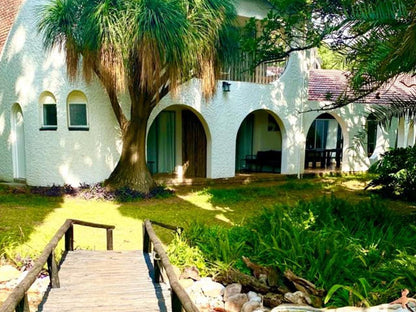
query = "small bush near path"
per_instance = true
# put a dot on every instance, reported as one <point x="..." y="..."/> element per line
<point x="396" y="173"/>
<point x="364" y="250"/>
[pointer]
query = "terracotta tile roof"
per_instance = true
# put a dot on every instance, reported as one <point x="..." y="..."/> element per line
<point x="8" y="12"/>
<point x="326" y="84"/>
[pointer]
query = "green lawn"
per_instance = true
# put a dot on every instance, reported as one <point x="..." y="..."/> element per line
<point x="27" y="221"/>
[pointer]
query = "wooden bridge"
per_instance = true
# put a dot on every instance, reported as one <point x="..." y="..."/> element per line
<point x="104" y="280"/>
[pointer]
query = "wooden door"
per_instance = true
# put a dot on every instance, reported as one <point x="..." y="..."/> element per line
<point x="194" y="145"/>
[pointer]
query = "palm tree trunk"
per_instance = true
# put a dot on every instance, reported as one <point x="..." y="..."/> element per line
<point x="131" y="169"/>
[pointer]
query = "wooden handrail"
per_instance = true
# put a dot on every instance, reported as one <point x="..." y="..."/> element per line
<point x="180" y="298"/>
<point x="17" y="300"/>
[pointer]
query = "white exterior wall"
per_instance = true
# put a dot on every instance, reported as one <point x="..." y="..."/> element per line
<point x="73" y="157"/>
<point x="60" y="156"/>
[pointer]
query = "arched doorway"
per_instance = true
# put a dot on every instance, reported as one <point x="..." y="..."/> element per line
<point x="177" y="138"/>
<point x="18" y="144"/>
<point x="324" y="143"/>
<point x="259" y="143"/>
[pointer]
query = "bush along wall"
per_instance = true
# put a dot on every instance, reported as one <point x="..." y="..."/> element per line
<point x="397" y="173"/>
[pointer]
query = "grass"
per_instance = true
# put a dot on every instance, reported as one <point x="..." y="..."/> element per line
<point x="27" y="221"/>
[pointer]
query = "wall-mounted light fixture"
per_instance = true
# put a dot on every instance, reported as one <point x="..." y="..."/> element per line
<point x="226" y="86"/>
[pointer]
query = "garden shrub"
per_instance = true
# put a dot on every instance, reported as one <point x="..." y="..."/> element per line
<point x="182" y="255"/>
<point x="397" y="173"/>
<point x="364" y="247"/>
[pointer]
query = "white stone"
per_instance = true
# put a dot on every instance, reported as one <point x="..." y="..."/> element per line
<point x="235" y="303"/>
<point x="250" y="306"/>
<point x="8" y="272"/>
<point x="211" y="288"/>
<point x="231" y="290"/>
<point x="251" y="294"/>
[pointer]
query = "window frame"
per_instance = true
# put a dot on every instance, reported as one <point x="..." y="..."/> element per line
<point x="47" y="99"/>
<point x="77" y="98"/>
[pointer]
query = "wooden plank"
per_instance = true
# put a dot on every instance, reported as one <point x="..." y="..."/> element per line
<point x="106" y="281"/>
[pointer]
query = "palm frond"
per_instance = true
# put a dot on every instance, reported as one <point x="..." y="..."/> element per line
<point x="399" y="108"/>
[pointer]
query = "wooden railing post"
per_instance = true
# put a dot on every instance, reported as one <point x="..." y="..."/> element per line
<point x="23" y="305"/>
<point x="69" y="238"/>
<point x="176" y="303"/>
<point x="109" y="239"/>
<point x="53" y="271"/>
<point x="147" y="247"/>
<point x="156" y="268"/>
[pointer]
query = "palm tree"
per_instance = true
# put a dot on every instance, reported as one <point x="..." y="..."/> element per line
<point x="144" y="48"/>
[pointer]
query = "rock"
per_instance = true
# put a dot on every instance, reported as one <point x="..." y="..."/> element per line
<point x="8" y="272"/>
<point x="296" y="308"/>
<point x="211" y="288"/>
<point x="252" y="296"/>
<point x="250" y="306"/>
<point x="272" y="300"/>
<point x="235" y="303"/>
<point x="186" y="283"/>
<point x="216" y="303"/>
<point x="201" y="301"/>
<point x="190" y="273"/>
<point x="298" y="297"/>
<point x="231" y="290"/>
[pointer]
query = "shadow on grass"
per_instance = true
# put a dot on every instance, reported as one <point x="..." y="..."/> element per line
<point x="20" y="213"/>
<point x="280" y="192"/>
<point x="180" y="210"/>
<point x="217" y="205"/>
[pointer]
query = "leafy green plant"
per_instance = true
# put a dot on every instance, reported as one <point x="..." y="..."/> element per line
<point x="397" y="173"/>
<point x="352" y="250"/>
<point x="353" y="295"/>
<point x="182" y="255"/>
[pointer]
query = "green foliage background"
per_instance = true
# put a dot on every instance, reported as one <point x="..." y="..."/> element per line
<point x="361" y="253"/>
<point x="397" y="173"/>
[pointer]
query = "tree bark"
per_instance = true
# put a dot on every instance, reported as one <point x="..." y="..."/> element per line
<point x="131" y="170"/>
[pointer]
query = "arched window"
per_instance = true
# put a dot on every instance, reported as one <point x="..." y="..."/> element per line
<point x="77" y="111"/>
<point x="371" y="134"/>
<point x="48" y="114"/>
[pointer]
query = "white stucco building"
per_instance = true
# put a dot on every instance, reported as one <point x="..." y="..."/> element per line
<point x="56" y="132"/>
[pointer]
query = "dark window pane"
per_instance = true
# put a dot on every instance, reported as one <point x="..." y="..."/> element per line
<point x="310" y="139"/>
<point x="371" y="136"/>
<point x="49" y="115"/>
<point x="77" y="114"/>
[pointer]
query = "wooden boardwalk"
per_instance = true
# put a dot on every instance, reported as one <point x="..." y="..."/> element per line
<point x="107" y="281"/>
